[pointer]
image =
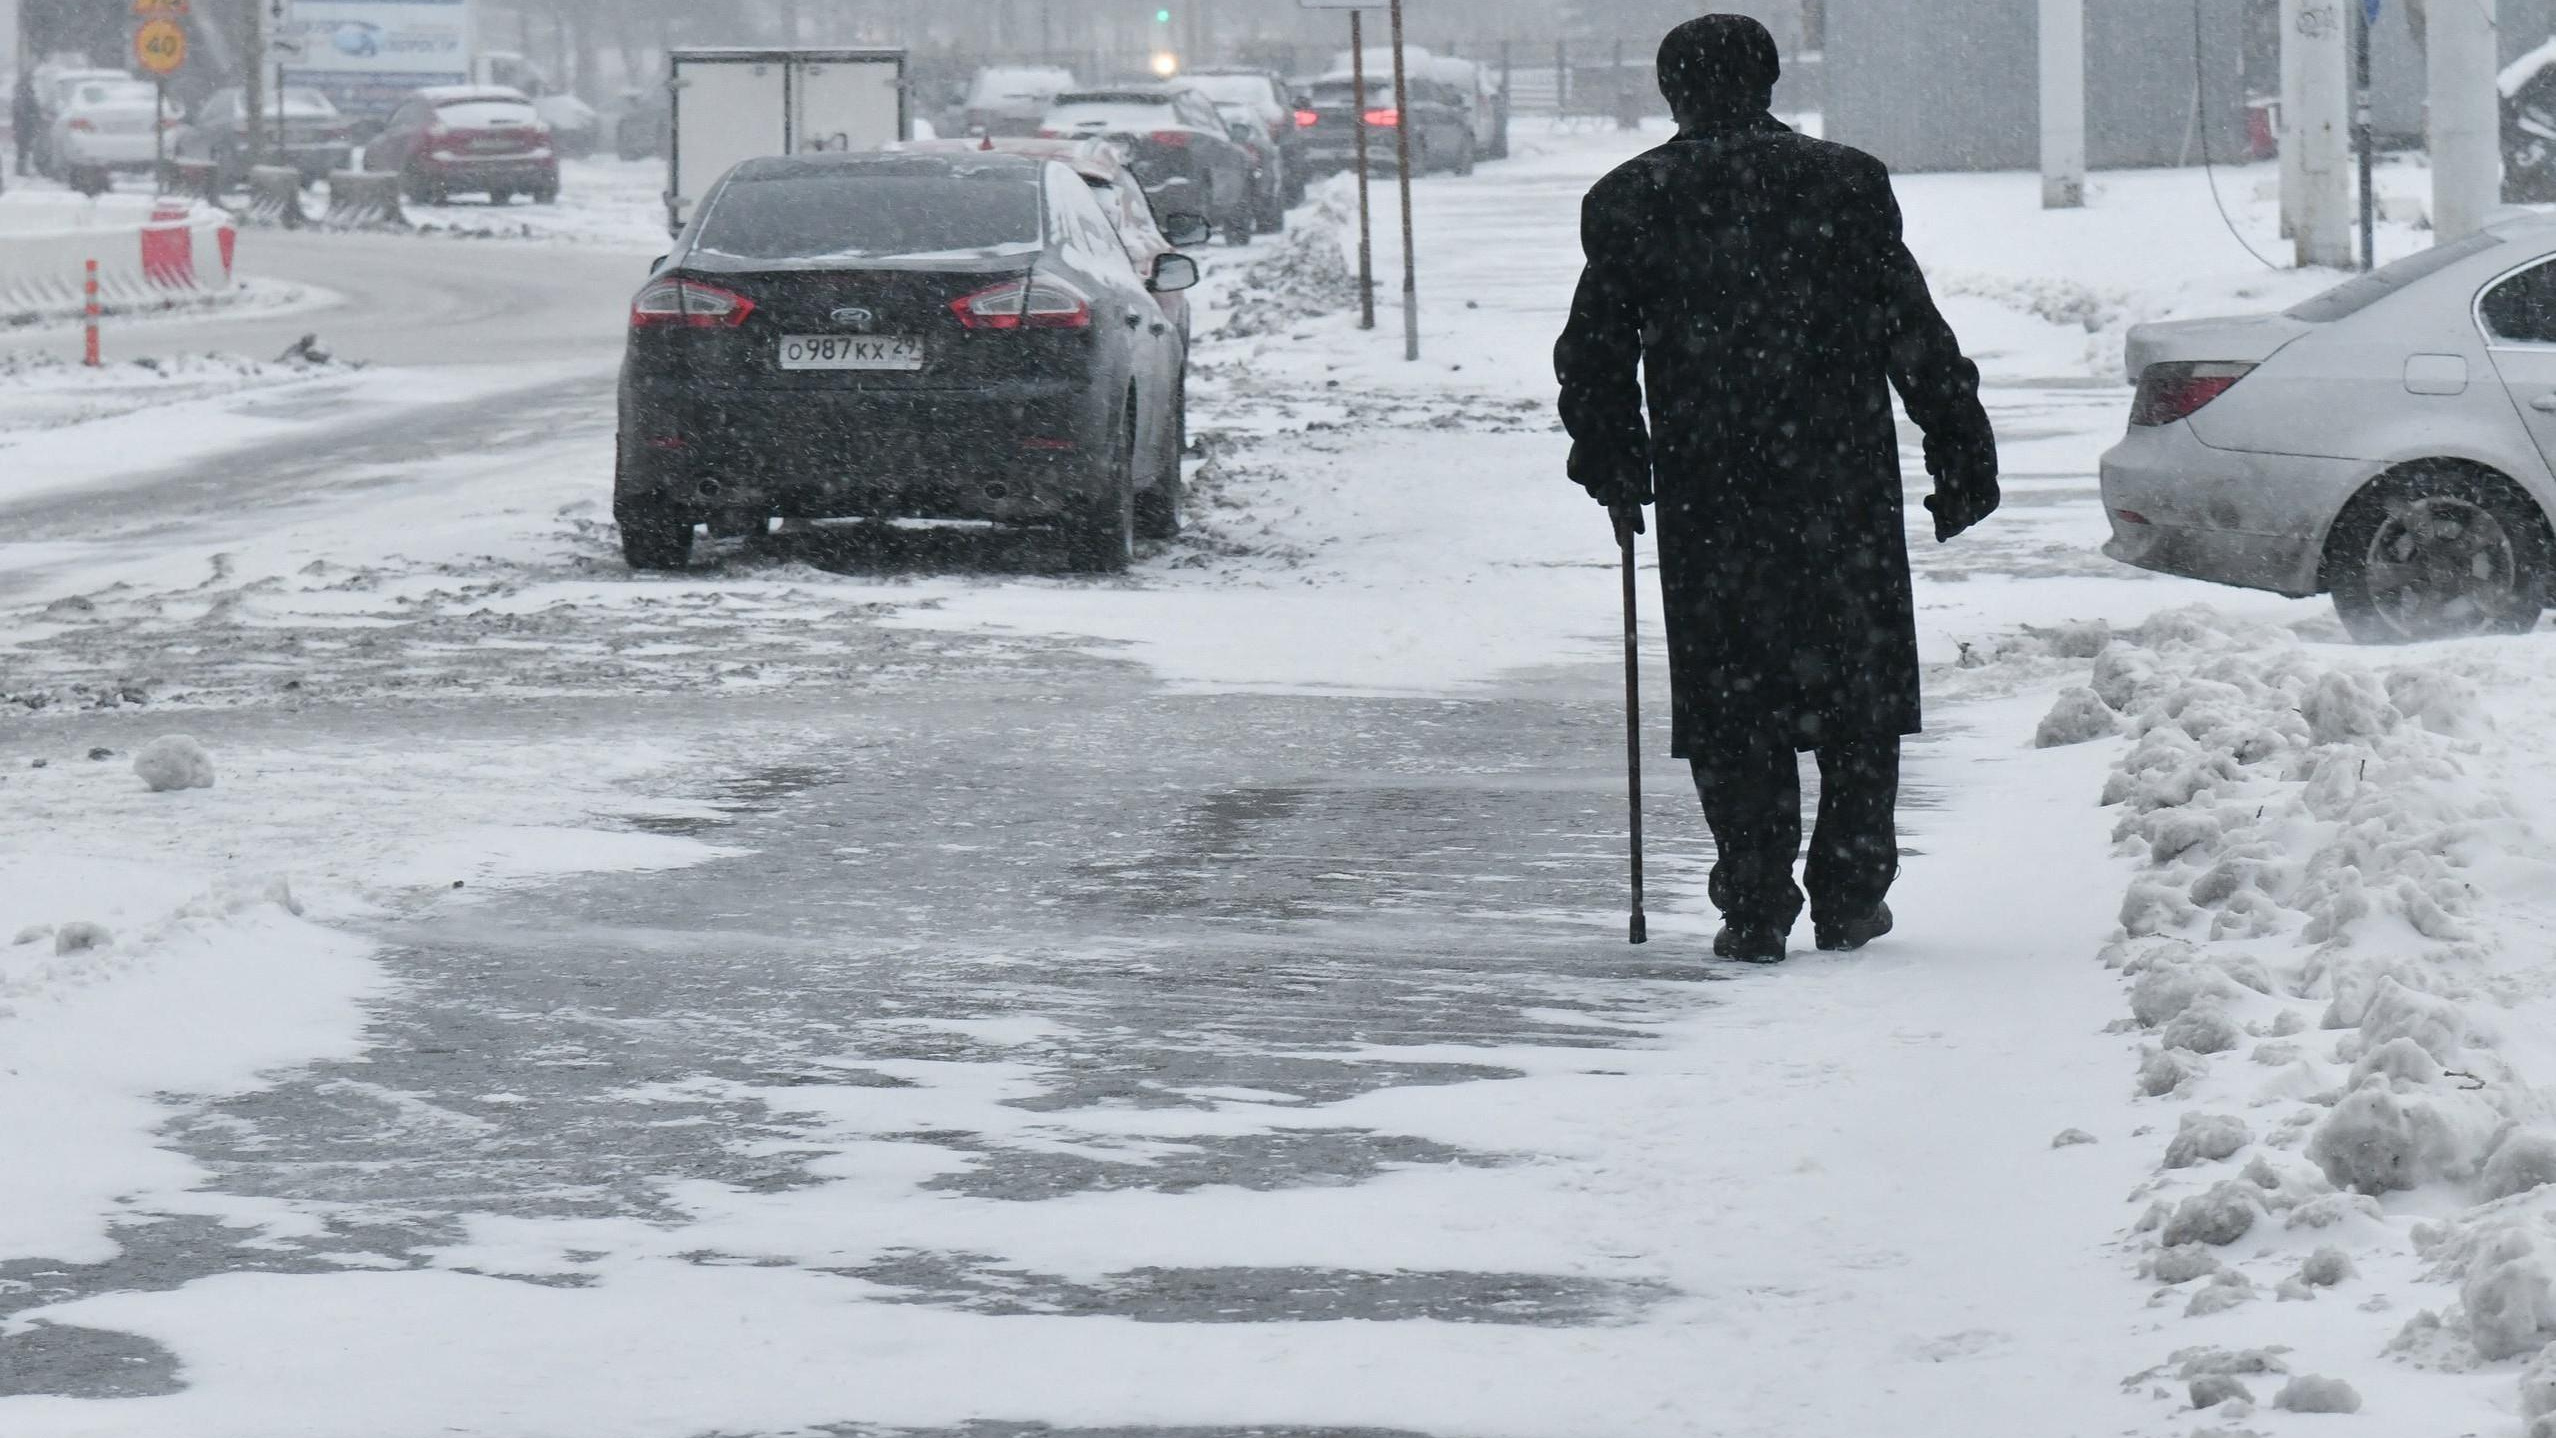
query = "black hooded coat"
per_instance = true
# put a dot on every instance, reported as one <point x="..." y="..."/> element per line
<point x="1754" y="282"/>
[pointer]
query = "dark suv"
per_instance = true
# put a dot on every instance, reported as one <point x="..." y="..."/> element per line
<point x="1177" y="144"/>
<point x="901" y="336"/>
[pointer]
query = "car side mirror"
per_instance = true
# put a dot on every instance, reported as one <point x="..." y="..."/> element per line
<point x="1183" y="228"/>
<point x="1172" y="274"/>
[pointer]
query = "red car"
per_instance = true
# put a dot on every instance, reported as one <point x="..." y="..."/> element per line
<point x="451" y="138"/>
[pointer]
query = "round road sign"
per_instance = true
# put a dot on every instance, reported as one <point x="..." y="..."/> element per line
<point x="160" y="46"/>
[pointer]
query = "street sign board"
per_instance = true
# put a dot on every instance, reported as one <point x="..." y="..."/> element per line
<point x="159" y="9"/>
<point x="2370" y="9"/>
<point x="160" y="46"/>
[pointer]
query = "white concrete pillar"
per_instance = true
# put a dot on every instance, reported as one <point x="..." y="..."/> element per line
<point x="2320" y="32"/>
<point x="2063" y="104"/>
<point x="2289" y="135"/>
<point x="2463" y="57"/>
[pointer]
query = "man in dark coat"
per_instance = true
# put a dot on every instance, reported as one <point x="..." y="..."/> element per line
<point x="1753" y="282"/>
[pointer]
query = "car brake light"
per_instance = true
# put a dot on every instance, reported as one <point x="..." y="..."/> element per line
<point x="1385" y="118"/>
<point x="82" y="125"/>
<point x="1041" y="303"/>
<point x="1307" y="119"/>
<point x="688" y="304"/>
<point x="1048" y="133"/>
<point x="1176" y="139"/>
<point x="2176" y="390"/>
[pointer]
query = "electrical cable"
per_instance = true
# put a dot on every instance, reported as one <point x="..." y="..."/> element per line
<point x="2201" y="125"/>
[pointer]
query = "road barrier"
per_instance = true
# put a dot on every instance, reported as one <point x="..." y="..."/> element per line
<point x="360" y="201"/>
<point x="180" y="252"/>
<point x="195" y="179"/>
<point x="275" y="196"/>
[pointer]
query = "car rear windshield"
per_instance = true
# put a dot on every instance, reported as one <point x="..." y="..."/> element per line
<point x="1337" y="92"/>
<point x="114" y="92"/>
<point x="485" y="114"/>
<point x="1236" y="89"/>
<point x="1109" y="115"/>
<point x="2362" y="291"/>
<point x="820" y="218"/>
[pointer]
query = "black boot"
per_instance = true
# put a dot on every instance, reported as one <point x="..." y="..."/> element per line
<point x="1750" y="943"/>
<point x="1851" y="934"/>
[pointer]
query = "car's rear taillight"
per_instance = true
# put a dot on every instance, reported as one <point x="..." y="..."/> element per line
<point x="1386" y="118"/>
<point x="688" y="304"/>
<point x="1176" y="139"/>
<point x="1045" y="133"/>
<point x="2175" y="390"/>
<point x="1307" y="119"/>
<point x="1040" y="303"/>
<point x="83" y="126"/>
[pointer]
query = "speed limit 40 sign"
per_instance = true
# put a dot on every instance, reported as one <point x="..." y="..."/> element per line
<point x="160" y="46"/>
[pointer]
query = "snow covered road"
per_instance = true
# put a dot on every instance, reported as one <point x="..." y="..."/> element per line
<point x="880" y="984"/>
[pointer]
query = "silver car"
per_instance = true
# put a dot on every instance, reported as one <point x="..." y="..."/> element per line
<point x="2387" y="442"/>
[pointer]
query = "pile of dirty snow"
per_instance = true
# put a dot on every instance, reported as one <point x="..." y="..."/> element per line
<point x="40" y="391"/>
<point x="2334" y="856"/>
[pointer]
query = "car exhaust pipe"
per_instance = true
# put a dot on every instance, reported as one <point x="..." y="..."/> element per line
<point x="998" y="490"/>
<point x="709" y="489"/>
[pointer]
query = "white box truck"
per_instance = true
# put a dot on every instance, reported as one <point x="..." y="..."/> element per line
<point x="726" y="106"/>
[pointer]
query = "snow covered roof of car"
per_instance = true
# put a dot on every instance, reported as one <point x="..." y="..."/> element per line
<point x="1092" y="159"/>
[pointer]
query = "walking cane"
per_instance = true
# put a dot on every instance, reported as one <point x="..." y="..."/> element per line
<point x="1633" y="723"/>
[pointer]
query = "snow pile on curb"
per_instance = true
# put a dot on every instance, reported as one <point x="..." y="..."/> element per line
<point x="41" y="391"/>
<point x="1309" y="272"/>
<point x="2318" y="986"/>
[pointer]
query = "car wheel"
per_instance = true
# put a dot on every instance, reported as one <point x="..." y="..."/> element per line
<point x="1464" y="156"/>
<point x="424" y="189"/>
<point x="1102" y="539"/>
<point x="499" y="195"/>
<point x="2438" y="554"/>
<point x="654" y="535"/>
<point x="545" y="194"/>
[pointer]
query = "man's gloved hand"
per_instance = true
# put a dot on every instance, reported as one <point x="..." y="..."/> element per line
<point x="1628" y="521"/>
<point x="1619" y="481"/>
<point x="1960" y="502"/>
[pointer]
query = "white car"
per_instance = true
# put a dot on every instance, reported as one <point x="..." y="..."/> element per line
<point x="2388" y="442"/>
<point x="106" y="126"/>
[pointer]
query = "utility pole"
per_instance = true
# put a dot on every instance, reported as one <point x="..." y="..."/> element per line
<point x="253" y="80"/>
<point x="2063" y="104"/>
<point x="2319" y="32"/>
<point x="1402" y="145"/>
<point x="2465" y="117"/>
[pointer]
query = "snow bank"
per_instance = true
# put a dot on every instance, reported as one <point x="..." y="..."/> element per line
<point x="2314" y="967"/>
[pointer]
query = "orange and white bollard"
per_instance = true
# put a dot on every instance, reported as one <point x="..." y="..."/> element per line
<point x="91" y="359"/>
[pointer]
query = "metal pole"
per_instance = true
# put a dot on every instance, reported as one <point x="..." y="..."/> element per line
<point x="253" y="93"/>
<point x="1633" y="726"/>
<point x="1402" y="151"/>
<point x="2361" y="132"/>
<point x="160" y="135"/>
<point x="2063" y="104"/>
<point x="1366" y="221"/>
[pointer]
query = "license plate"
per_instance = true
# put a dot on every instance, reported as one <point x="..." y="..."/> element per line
<point x="890" y="352"/>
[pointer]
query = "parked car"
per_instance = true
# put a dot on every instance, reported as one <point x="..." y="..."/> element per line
<point x="1475" y="89"/>
<point x="576" y="128"/>
<point x="318" y="138"/>
<point x="1276" y="104"/>
<point x="1013" y="99"/>
<point x="2387" y="442"/>
<point x="107" y="126"/>
<point x="1268" y="167"/>
<point x="639" y="121"/>
<point x="900" y="334"/>
<point x="2528" y="88"/>
<point x="1122" y="198"/>
<point x="457" y="138"/>
<point x="1177" y="144"/>
<point x="1441" y="131"/>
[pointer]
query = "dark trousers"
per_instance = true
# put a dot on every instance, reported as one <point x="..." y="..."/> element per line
<point x="1751" y="785"/>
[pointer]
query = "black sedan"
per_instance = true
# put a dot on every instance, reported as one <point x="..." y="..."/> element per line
<point x="318" y="138"/>
<point x="1177" y="144"/>
<point x="900" y="336"/>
